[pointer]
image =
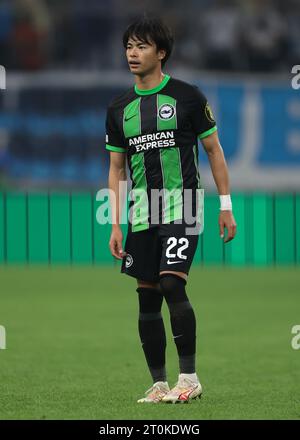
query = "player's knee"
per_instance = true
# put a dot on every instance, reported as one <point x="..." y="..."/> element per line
<point x="147" y="284"/>
<point x="173" y="288"/>
<point x="150" y="300"/>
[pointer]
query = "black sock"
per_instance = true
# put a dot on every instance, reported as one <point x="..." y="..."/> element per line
<point x="183" y="321"/>
<point x="152" y="331"/>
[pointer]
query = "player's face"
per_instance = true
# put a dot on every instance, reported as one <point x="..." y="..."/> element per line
<point x="143" y="58"/>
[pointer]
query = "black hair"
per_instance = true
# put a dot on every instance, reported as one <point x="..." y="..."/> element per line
<point x="151" y="29"/>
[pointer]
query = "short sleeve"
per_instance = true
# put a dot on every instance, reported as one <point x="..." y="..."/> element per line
<point x="203" y="121"/>
<point x="114" y="139"/>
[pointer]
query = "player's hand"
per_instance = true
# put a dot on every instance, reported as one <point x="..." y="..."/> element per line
<point x="115" y="243"/>
<point x="226" y="220"/>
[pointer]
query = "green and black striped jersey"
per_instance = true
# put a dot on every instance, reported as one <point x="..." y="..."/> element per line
<point x="159" y="129"/>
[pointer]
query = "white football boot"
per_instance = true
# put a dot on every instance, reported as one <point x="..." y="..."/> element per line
<point x="155" y="393"/>
<point x="184" y="391"/>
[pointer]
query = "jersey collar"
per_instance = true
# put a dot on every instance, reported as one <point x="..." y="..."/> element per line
<point x="155" y="89"/>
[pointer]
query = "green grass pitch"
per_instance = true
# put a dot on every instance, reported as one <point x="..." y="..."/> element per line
<point x="73" y="350"/>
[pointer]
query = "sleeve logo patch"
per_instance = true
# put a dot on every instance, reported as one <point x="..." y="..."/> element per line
<point x="209" y="114"/>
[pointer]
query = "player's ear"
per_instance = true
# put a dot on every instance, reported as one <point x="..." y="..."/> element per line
<point x="161" y="54"/>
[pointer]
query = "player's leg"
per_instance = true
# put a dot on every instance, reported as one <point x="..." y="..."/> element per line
<point x="151" y="329"/>
<point x="142" y="262"/>
<point x="182" y="316"/>
<point x="183" y="321"/>
<point x="153" y="339"/>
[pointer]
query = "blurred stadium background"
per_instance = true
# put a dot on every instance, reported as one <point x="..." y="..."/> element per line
<point x="64" y="62"/>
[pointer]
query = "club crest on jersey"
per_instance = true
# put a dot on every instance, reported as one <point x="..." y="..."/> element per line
<point x="128" y="261"/>
<point x="166" y="111"/>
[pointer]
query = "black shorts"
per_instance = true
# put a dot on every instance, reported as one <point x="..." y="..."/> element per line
<point x="159" y="248"/>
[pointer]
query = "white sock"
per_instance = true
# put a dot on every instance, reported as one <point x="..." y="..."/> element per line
<point x="193" y="376"/>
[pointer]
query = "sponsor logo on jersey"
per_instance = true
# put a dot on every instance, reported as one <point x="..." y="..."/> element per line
<point x="161" y="139"/>
<point x="166" y="111"/>
<point x="128" y="261"/>
<point x="209" y="114"/>
<point x="130" y="117"/>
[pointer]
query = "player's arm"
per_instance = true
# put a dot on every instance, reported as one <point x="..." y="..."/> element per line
<point x="214" y="151"/>
<point x="117" y="184"/>
<point x="115" y="144"/>
<point x="116" y="181"/>
<point x="204" y="125"/>
<point x="219" y="169"/>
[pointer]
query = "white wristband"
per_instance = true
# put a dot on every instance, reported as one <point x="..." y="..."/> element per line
<point x="225" y="201"/>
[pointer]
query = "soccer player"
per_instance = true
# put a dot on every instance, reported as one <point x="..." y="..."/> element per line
<point x="155" y="125"/>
